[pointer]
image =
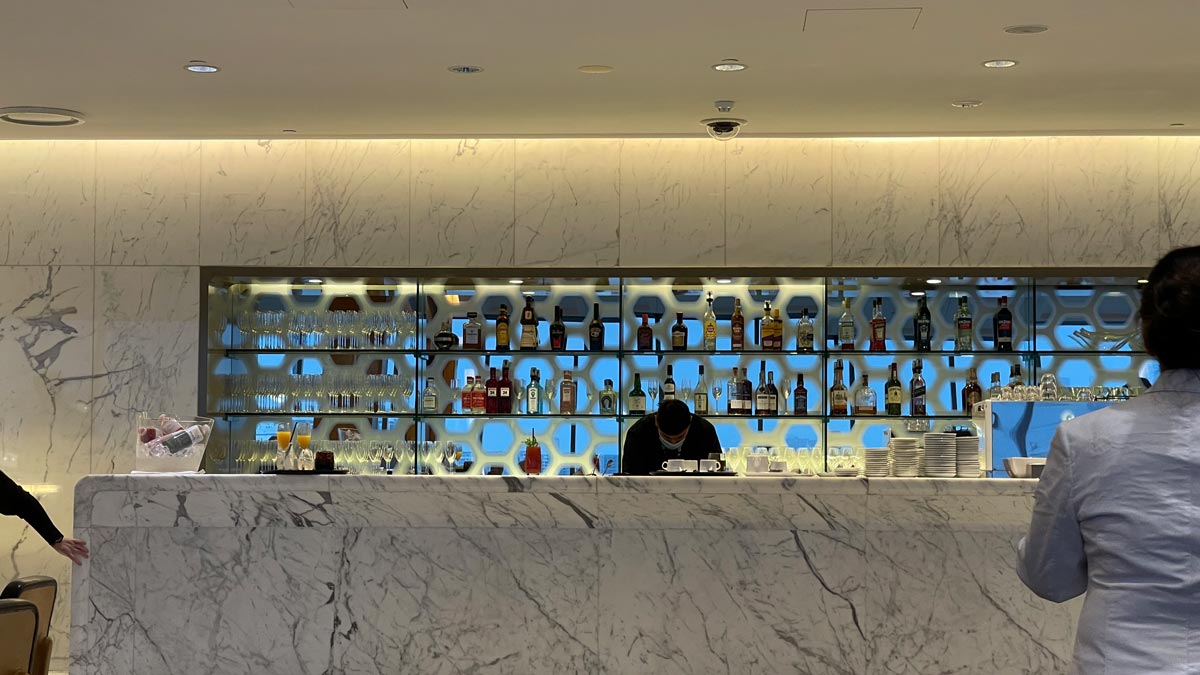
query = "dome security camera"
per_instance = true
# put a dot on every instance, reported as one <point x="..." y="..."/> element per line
<point x="723" y="128"/>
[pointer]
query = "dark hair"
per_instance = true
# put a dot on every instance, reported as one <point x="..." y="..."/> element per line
<point x="1170" y="309"/>
<point x="673" y="417"/>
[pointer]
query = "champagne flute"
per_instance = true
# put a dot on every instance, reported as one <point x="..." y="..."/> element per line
<point x="786" y="385"/>
<point x="717" y="389"/>
<point x="652" y="389"/>
<point x="685" y="392"/>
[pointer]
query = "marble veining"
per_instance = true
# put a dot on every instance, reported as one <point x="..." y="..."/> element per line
<point x="148" y="203"/>
<point x="1178" y="193"/>
<point x="47" y="202"/>
<point x="370" y="574"/>
<point x="358" y="202"/>
<point x="463" y="202"/>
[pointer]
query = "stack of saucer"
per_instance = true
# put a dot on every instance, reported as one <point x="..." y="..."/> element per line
<point x="941" y="456"/>
<point x="968" y="456"/>
<point x="906" y="458"/>
<point x="876" y="462"/>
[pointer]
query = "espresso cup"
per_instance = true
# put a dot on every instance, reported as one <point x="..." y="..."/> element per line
<point x="673" y="465"/>
<point x="710" y="465"/>
<point x="756" y="463"/>
<point x="778" y="465"/>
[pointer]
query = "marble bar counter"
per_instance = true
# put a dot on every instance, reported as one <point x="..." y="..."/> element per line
<point x="374" y="574"/>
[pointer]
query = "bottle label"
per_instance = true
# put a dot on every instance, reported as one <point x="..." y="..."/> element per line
<point x="505" y="392"/>
<point x="710" y="332"/>
<point x="637" y="404"/>
<point x="894" y="395"/>
<point x="492" y="392"/>
<point x="800" y="405"/>
<point x="668" y="389"/>
<point x="804" y="339"/>
<point x="532" y="397"/>
<point x="846" y="335"/>
<point x="838" y="397"/>
<point x="738" y="336"/>
<point x="608" y="404"/>
<point x="596" y="333"/>
<point x="471" y="336"/>
<point x="973" y="398"/>
<point x="923" y="330"/>
<point x="700" y="403"/>
<point x="678" y="340"/>
<point x="502" y="334"/>
<point x="878" y="329"/>
<point x="964" y="328"/>
<point x="429" y="403"/>
<point x="763" y="401"/>
<point x="773" y="403"/>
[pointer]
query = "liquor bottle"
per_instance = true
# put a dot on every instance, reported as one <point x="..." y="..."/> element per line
<point x="429" y="397"/>
<point x="558" y="331"/>
<point x="766" y="331"/>
<point x="894" y="393"/>
<point x="472" y="332"/>
<point x="480" y="406"/>
<point x="774" y="392"/>
<point x="778" y="326"/>
<point x="529" y="324"/>
<point x="700" y="396"/>
<point x="878" y="327"/>
<point x="668" y="385"/>
<point x="502" y="329"/>
<point x="596" y="330"/>
<point x="747" y="393"/>
<point x="1002" y="327"/>
<point x="839" y="403"/>
<point x="846" y="331"/>
<point x="923" y="327"/>
<point x="608" y="399"/>
<point x="467" y="396"/>
<point x="533" y="393"/>
<point x="1015" y="378"/>
<point x="762" y="395"/>
<point x="679" y="334"/>
<point x="800" y="397"/>
<point x="737" y="327"/>
<point x="637" y="397"/>
<point x="733" y="406"/>
<point x="804" y="332"/>
<point x="492" y="393"/>
<point x="177" y="441"/>
<point x="865" y="400"/>
<point x="645" y="335"/>
<point x="995" y="391"/>
<point x="964" y="327"/>
<point x="710" y="326"/>
<point x="972" y="392"/>
<point x="568" y="394"/>
<point x="505" y="398"/>
<point x="916" y="392"/>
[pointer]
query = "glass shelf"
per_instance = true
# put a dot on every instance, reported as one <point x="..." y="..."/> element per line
<point x="254" y="352"/>
<point x="587" y="416"/>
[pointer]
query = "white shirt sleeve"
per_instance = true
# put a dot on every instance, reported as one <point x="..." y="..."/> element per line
<point x="1051" y="559"/>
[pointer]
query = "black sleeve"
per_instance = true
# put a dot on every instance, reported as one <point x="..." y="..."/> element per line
<point x="15" y="501"/>
<point x="702" y="440"/>
<point x="636" y="459"/>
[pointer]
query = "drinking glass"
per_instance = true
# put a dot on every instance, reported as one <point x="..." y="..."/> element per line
<point x="283" y="435"/>
<point x="652" y="389"/>
<point x="455" y="390"/>
<point x="1049" y="387"/>
<point x="786" y="386"/>
<point x="685" y="392"/>
<point x="303" y="435"/>
<point x="716" y="392"/>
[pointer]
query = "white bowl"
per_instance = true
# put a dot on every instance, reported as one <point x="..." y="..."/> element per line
<point x="1022" y="467"/>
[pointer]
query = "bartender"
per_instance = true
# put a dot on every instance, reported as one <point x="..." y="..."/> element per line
<point x="671" y="433"/>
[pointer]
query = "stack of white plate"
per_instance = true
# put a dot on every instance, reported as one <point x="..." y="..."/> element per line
<point x="941" y="456"/>
<point x="906" y="458"/>
<point x="968" y="456"/>
<point x="876" y="460"/>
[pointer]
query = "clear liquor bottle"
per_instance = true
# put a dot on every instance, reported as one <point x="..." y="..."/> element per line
<point x="429" y="398"/>
<point x="467" y="397"/>
<point x="700" y="395"/>
<point x="608" y="399"/>
<point x="839" y="399"/>
<point x="1015" y="378"/>
<point x="804" y="332"/>
<point x="472" y="332"/>
<point x="710" y="326"/>
<point x="534" y="400"/>
<point x="995" y="390"/>
<point x="846" y="330"/>
<point x="866" y="402"/>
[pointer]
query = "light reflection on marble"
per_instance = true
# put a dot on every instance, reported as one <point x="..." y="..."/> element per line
<point x="778" y="190"/>
<point x="1179" y="191"/>
<point x="252" y="203"/>
<point x="672" y="202"/>
<point x="145" y="354"/>
<point x="462" y="202"/>
<point x="1102" y="201"/>
<point x="993" y="201"/>
<point x="885" y="194"/>
<point x="47" y="202"/>
<point x="358" y="202"/>
<point x="568" y="202"/>
<point x="148" y="203"/>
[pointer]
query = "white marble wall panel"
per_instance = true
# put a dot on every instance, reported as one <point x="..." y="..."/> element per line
<point x="463" y="203"/>
<point x="102" y="614"/>
<point x="885" y="194"/>
<point x="1179" y="191"/>
<point x="993" y="206"/>
<point x="444" y="601"/>
<point x="983" y="513"/>
<point x="568" y="202"/>
<point x="1102" y="201"/>
<point x="47" y="202"/>
<point x="672" y="202"/>
<point x="148" y="203"/>
<point x="145" y="354"/>
<point x="778" y="202"/>
<point x="950" y="602"/>
<point x="358" y="203"/>
<point x="252" y="203"/>
<point x="663" y="610"/>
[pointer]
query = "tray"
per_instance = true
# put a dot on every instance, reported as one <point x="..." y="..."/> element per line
<point x="296" y="472"/>
<point x="693" y="473"/>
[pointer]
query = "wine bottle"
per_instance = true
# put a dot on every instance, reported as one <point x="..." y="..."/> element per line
<point x="637" y="397"/>
<point x="596" y="330"/>
<point x="558" y="331"/>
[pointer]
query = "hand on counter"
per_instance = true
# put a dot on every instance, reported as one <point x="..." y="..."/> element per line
<point x="75" y="549"/>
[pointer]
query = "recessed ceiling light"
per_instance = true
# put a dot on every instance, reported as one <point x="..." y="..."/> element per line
<point x="724" y="281"/>
<point x="312" y="281"/>
<point x="999" y="63"/>
<point x="516" y="282"/>
<point x="1026" y="29"/>
<point x="966" y="103"/>
<point x="935" y="282"/>
<point x="1143" y="281"/>
<point x="200" y="67"/>
<point x="596" y="69"/>
<point x="39" y="116"/>
<point x="918" y="294"/>
<point x="465" y="70"/>
<point x="729" y="66"/>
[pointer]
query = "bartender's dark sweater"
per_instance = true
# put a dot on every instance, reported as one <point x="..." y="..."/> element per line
<point x="644" y="451"/>
<point x="15" y="501"/>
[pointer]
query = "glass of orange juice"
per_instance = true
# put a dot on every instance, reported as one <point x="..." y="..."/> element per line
<point x="283" y="434"/>
<point x="303" y="435"/>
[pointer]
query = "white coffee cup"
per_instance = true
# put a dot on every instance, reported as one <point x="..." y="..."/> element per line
<point x="757" y="463"/>
<point x="709" y="465"/>
<point x="680" y="465"/>
<point x="779" y="465"/>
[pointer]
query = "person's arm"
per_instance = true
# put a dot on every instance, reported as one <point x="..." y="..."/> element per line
<point x="16" y="501"/>
<point x="1051" y="560"/>
<point x="634" y="458"/>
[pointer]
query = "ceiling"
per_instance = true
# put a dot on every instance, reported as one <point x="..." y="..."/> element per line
<point x="377" y="68"/>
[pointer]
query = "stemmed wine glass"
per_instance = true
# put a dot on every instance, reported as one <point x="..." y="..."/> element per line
<point x="652" y="389"/>
<point x="786" y="385"/>
<point x="551" y="390"/>
<point x="685" y="392"/>
<point x="717" y="389"/>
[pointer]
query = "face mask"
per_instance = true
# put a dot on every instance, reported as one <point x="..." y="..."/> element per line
<point x="672" y="446"/>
